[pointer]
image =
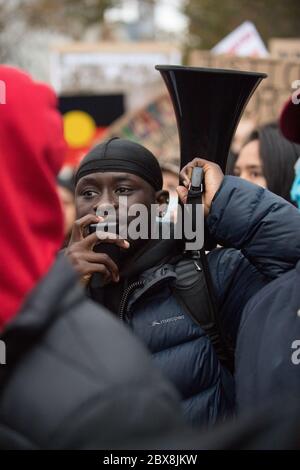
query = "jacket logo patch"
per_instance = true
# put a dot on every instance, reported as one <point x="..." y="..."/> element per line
<point x="167" y="320"/>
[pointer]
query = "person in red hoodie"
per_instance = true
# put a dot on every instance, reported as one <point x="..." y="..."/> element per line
<point x="31" y="149"/>
<point x="74" y="377"/>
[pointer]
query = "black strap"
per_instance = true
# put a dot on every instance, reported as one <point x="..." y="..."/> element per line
<point x="194" y="285"/>
<point x="193" y="290"/>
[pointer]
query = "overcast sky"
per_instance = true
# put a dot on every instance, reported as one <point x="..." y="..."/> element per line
<point x="167" y="14"/>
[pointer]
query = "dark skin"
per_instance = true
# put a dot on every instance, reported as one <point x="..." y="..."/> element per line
<point x="99" y="190"/>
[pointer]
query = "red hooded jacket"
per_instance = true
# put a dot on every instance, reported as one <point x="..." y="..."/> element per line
<point x="31" y="154"/>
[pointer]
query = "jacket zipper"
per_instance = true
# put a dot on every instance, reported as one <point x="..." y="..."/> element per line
<point x="126" y="293"/>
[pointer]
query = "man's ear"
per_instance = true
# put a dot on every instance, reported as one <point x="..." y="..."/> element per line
<point x="162" y="199"/>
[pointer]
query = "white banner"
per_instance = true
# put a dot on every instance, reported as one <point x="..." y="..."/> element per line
<point x="244" y="41"/>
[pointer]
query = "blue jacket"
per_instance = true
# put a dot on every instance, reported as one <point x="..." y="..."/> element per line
<point x="258" y="229"/>
<point x="268" y="347"/>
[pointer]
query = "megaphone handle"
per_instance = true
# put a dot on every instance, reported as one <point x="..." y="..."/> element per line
<point x="197" y="179"/>
<point x="195" y="193"/>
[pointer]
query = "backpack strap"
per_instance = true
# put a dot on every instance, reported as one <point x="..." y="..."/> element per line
<point x="193" y="290"/>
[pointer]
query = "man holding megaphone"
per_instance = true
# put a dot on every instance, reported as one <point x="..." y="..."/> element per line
<point x="161" y="291"/>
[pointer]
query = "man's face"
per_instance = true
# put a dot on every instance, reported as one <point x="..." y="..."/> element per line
<point x="100" y="191"/>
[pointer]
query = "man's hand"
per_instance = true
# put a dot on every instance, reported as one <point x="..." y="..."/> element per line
<point x="213" y="177"/>
<point x="81" y="255"/>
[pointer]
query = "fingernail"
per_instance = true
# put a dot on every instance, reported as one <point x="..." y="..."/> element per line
<point x="126" y="243"/>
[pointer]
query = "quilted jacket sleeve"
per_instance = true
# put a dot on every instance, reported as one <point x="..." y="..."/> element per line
<point x="262" y="225"/>
<point x="261" y="235"/>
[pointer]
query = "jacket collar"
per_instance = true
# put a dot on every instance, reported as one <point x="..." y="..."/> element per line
<point x="154" y="253"/>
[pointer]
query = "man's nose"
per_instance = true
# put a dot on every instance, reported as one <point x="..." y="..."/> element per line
<point x="106" y="206"/>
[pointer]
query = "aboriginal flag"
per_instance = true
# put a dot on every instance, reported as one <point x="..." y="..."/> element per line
<point x="86" y="118"/>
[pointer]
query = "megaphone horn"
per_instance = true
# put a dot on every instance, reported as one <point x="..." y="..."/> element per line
<point x="208" y="105"/>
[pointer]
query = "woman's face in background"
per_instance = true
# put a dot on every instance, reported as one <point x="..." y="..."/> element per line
<point x="249" y="165"/>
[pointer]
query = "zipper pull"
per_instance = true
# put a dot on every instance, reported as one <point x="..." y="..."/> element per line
<point x="198" y="268"/>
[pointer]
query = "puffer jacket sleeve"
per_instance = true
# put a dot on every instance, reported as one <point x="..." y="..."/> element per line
<point x="260" y="232"/>
<point x="262" y="225"/>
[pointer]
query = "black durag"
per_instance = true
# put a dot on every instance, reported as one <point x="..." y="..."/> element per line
<point x="124" y="156"/>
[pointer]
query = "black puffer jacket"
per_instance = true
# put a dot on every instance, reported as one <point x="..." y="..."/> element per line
<point x="75" y="377"/>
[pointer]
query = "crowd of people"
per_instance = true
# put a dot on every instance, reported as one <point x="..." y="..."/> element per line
<point x="109" y="341"/>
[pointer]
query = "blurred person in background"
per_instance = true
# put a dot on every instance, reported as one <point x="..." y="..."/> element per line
<point x="268" y="346"/>
<point x="65" y="188"/>
<point x="170" y="174"/>
<point x="74" y="376"/>
<point x="267" y="158"/>
<point x="295" y="190"/>
<point x="244" y="129"/>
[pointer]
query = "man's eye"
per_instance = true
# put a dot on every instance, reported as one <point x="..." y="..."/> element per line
<point x="123" y="190"/>
<point x="89" y="193"/>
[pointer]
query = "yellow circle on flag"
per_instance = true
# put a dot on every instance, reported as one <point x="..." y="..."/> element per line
<point x="79" y="128"/>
